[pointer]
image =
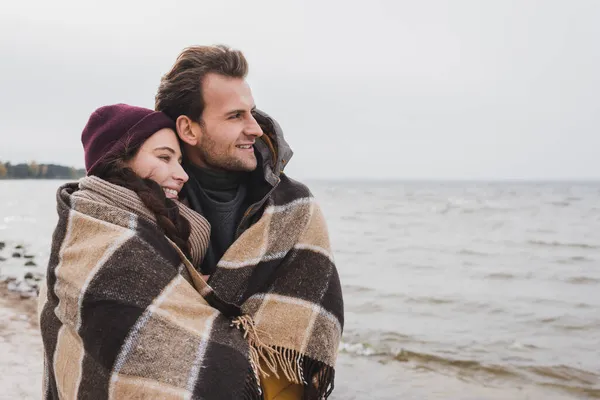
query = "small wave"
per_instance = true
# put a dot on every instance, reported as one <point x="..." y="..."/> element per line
<point x="548" y="320"/>
<point x="587" y="392"/>
<point x="396" y="226"/>
<point x="367" y="308"/>
<point x="567" y="323"/>
<point x="560" y="244"/>
<point x="395" y="338"/>
<point x="501" y="276"/>
<point x="580" y="258"/>
<point x="541" y="230"/>
<point x="574" y="259"/>
<point x="465" y="206"/>
<point x="496" y="310"/>
<point x="358" y="349"/>
<point x="357" y="289"/>
<point x="546" y="301"/>
<point x="403" y="355"/>
<point x="473" y="210"/>
<point x="422" y="266"/>
<point x="583" y="280"/>
<point x="572" y="327"/>
<point x="560" y="376"/>
<point x="469" y="252"/>
<point x="469" y="365"/>
<point x="516" y="345"/>
<point x="565" y="373"/>
<point x="441" y="210"/>
<point x="375" y="339"/>
<point x="429" y="300"/>
<point x="391" y="296"/>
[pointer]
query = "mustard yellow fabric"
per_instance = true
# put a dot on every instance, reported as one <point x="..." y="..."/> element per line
<point x="280" y="389"/>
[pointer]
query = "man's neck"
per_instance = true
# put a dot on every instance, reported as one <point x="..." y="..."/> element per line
<point x="218" y="180"/>
<point x="219" y="185"/>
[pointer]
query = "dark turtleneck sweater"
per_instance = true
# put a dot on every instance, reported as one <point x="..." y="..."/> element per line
<point x="220" y="196"/>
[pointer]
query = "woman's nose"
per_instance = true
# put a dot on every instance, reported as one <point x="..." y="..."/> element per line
<point x="180" y="174"/>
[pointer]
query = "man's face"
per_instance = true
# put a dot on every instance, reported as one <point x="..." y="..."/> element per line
<point x="226" y="137"/>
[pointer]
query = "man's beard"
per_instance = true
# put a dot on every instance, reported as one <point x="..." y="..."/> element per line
<point x="215" y="158"/>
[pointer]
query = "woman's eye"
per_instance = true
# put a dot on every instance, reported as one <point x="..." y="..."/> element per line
<point x="165" y="158"/>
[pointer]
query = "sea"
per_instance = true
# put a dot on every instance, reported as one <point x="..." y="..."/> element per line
<point x="452" y="290"/>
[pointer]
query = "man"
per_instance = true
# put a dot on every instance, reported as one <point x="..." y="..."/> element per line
<point x="269" y="252"/>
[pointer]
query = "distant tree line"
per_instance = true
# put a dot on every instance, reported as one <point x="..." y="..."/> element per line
<point x="34" y="170"/>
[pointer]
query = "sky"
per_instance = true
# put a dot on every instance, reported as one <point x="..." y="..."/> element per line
<point x="428" y="89"/>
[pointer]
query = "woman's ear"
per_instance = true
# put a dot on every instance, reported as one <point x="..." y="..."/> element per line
<point x="186" y="131"/>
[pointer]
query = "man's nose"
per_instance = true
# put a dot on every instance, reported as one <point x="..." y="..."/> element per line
<point x="253" y="128"/>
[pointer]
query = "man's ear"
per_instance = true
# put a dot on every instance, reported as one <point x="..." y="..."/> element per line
<point x="186" y="130"/>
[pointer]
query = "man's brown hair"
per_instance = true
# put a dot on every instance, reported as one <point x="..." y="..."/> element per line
<point x="180" y="90"/>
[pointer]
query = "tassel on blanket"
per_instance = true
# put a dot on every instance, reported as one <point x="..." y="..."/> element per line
<point x="296" y="367"/>
<point x="275" y="360"/>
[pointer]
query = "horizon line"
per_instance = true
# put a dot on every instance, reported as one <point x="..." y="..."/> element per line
<point x="397" y="179"/>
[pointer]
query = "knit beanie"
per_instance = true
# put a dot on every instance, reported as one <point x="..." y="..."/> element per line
<point x="112" y="129"/>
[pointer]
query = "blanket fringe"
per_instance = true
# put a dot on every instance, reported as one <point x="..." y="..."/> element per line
<point x="317" y="377"/>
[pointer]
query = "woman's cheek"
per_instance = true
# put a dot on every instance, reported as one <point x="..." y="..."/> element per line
<point x="160" y="173"/>
<point x="151" y="173"/>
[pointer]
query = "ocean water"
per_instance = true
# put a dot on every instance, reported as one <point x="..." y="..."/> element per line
<point x="467" y="290"/>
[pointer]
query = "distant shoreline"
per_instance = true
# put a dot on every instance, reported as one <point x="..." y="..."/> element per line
<point x="54" y="178"/>
<point x="371" y="182"/>
<point x="33" y="170"/>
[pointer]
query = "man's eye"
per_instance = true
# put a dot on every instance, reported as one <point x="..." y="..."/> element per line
<point x="236" y="116"/>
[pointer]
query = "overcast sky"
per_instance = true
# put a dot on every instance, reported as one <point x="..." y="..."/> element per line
<point x="363" y="89"/>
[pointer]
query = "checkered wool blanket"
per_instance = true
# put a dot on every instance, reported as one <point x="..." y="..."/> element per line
<point x="125" y="316"/>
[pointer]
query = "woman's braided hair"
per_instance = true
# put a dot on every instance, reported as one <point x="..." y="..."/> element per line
<point x="175" y="226"/>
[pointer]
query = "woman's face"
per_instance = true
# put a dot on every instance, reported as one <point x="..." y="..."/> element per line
<point x="159" y="159"/>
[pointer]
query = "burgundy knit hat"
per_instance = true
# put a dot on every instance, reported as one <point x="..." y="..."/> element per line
<point x="112" y="129"/>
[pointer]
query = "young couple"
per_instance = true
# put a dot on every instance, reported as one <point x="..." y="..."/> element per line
<point x="186" y="264"/>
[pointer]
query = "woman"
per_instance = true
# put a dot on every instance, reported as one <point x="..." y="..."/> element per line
<point x="126" y="314"/>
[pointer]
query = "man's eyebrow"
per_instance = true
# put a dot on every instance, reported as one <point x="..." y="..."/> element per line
<point x="241" y="111"/>
<point x="165" y="148"/>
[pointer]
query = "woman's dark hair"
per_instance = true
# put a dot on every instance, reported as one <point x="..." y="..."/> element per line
<point x="115" y="170"/>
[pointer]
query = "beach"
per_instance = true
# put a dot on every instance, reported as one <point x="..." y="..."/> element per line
<point x="21" y="361"/>
<point x="464" y="290"/>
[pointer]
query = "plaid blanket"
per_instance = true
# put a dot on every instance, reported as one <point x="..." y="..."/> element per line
<point x="125" y="315"/>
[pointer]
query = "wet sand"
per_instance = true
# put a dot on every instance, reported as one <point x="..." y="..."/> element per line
<point x="21" y="362"/>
